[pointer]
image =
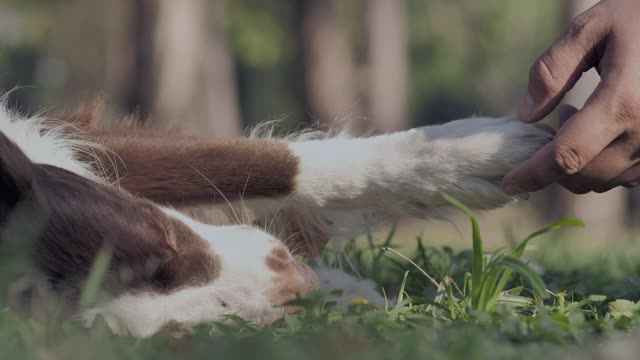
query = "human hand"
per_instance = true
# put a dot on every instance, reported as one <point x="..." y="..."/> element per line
<point x="598" y="147"/>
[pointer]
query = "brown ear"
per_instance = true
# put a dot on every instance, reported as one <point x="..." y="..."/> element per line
<point x="190" y="262"/>
<point x="16" y="175"/>
<point x="190" y="267"/>
<point x="171" y="240"/>
<point x="170" y="230"/>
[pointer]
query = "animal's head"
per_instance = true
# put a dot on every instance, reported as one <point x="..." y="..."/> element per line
<point x="164" y="266"/>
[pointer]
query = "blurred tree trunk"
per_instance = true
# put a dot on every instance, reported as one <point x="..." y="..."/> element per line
<point x="388" y="64"/>
<point x="604" y="214"/>
<point x="175" y="66"/>
<point x="129" y="48"/>
<point x="327" y="78"/>
<point x="195" y="86"/>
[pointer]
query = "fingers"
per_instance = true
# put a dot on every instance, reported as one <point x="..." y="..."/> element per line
<point x="586" y="134"/>
<point x="617" y="165"/>
<point x="597" y="174"/>
<point x="602" y="173"/>
<point x="533" y="174"/>
<point x="560" y="67"/>
<point x="598" y="147"/>
<point x="565" y="112"/>
<point x="581" y="138"/>
<point x="630" y="178"/>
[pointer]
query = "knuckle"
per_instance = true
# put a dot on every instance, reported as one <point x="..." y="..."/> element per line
<point x="599" y="171"/>
<point x="543" y="76"/>
<point x="581" y="26"/>
<point x="568" y="159"/>
<point x="626" y="108"/>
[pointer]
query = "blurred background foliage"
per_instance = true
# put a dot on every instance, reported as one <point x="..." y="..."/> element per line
<point x="464" y="56"/>
<point x="215" y="67"/>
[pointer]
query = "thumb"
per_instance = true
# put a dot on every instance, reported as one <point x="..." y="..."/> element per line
<point x="561" y="66"/>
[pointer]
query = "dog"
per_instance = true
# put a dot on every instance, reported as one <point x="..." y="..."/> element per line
<point x="73" y="191"/>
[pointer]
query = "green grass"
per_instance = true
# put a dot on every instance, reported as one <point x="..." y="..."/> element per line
<point x="450" y="305"/>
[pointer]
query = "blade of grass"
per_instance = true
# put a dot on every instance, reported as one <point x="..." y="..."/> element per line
<point x="518" y="250"/>
<point x="376" y="260"/>
<point x="537" y="285"/>
<point x="432" y="280"/>
<point x="400" y="302"/>
<point x="94" y="281"/>
<point x="491" y="286"/>
<point x="422" y="251"/>
<point x="477" y="258"/>
<point x="450" y="299"/>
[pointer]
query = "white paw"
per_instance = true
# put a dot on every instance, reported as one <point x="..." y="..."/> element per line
<point x="467" y="159"/>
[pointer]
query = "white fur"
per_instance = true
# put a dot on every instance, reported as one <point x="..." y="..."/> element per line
<point x="45" y="144"/>
<point x="343" y="183"/>
<point x="405" y="172"/>
<point x="348" y="185"/>
<point x="242" y="284"/>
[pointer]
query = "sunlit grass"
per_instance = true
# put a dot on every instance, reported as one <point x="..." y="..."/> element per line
<point x="441" y="304"/>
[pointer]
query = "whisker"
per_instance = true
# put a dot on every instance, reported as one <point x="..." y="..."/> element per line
<point x="242" y="200"/>
<point x="221" y="194"/>
<point x="278" y="210"/>
<point x="285" y="241"/>
<point x="285" y="227"/>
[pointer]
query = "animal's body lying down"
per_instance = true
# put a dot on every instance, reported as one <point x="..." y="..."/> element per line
<point x="83" y="190"/>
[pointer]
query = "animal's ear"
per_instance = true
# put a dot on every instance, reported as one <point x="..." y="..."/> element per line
<point x="16" y="175"/>
<point x="195" y="266"/>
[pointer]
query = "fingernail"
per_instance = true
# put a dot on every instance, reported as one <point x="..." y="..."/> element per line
<point x="526" y="108"/>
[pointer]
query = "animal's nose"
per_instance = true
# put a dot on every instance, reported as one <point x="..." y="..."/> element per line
<point x="310" y="278"/>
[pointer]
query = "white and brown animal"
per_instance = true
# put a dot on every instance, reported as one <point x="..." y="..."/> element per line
<point x="89" y="188"/>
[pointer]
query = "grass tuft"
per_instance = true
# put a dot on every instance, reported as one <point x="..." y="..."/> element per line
<point x="441" y="304"/>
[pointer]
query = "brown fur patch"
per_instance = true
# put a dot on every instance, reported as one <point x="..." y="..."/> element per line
<point x="185" y="171"/>
<point x="292" y="279"/>
<point x="188" y="171"/>
<point x="75" y="218"/>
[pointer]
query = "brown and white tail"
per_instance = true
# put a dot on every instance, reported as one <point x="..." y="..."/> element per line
<point x="326" y="187"/>
<point x="322" y="188"/>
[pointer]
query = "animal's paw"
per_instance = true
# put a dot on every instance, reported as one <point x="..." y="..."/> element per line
<point x="468" y="159"/>
<point x="489" y="147"/>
